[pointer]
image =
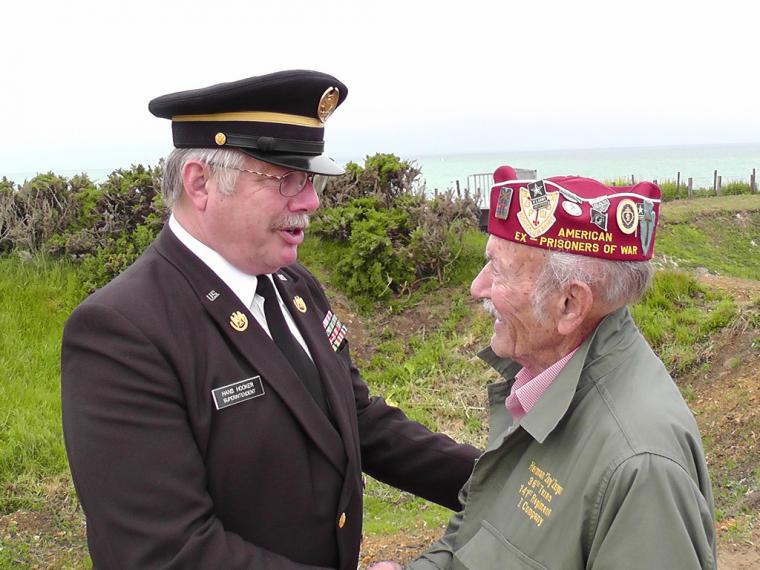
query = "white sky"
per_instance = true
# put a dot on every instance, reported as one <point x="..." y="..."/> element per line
<point x="423" y="77"/>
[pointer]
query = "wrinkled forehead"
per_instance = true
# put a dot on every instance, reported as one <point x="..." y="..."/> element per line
<point x="518" y="257"/>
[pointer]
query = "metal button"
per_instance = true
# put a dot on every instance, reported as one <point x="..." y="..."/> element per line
<point x="342" y="520"/>
<point x="220" y="139"/>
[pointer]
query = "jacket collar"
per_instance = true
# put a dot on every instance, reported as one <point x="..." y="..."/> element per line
<point x="250" y="343"/>
<point x="613" y="335"/>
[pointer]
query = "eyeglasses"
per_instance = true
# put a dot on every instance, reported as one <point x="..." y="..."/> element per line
<point x="291" y="183"/>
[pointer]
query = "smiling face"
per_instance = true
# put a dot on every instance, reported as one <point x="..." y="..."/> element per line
<point x="506" y="285"/>
<point x="255" y="228"/>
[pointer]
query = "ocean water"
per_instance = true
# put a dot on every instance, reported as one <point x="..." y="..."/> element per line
<point x="733" y="162"/>
<point x="441" y="172"/>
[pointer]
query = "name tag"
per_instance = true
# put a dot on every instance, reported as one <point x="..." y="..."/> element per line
<point x="237" y="392"/>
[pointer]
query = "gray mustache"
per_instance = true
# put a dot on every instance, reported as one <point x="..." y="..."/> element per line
<point x="490" y="309"/>
<point x="292" y="221"/>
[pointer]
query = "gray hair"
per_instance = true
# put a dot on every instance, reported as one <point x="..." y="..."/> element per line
<point x="614" y="283"/>
<point x="223" y="164"/>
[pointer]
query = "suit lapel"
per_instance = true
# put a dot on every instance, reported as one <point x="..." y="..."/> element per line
<point x="309" y="321"/>
<point x="243" y="332"/>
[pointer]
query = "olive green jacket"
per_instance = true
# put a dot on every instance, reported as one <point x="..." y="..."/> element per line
<point x="606" y="471"/>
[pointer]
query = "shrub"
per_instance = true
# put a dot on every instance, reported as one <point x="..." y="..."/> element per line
<point x="116" y="223"/>
<point x="384" y="176"/>
<point x="42" y="207"/>
<point x="393" y="237"/>
<point x="7" y="213"/>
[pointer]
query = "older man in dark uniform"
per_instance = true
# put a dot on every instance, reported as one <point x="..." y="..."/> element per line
<point x="211" y="412"/>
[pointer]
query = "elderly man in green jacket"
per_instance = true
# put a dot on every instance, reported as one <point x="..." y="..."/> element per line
<point x="593" y="458"/>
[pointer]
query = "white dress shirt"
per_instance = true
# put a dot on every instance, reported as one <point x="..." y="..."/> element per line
<point x="242" y="284"/>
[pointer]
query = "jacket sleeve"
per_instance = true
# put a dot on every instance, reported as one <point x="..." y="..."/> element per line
<point x="136" y="467"/>
<point x="401" y="452"/>
<point x="407" y="455"/>
<point x="652" y="515"/>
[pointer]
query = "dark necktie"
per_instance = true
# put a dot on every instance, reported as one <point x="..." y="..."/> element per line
<point x="287" y="343"/>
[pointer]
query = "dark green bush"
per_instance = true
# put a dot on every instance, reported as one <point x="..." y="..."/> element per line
<point x="393" y="237"/>
<point x="116" y="223"/>
<point x="104" y="226"/>
<point x="384" y="176"/>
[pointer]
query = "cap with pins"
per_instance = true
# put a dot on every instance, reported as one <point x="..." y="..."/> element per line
<point x="575" y="215"/>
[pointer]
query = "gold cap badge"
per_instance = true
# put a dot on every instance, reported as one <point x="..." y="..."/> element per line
<point x="627" y="216"/>
<point x="327" y="103"/>
<point x="299" y="303"/>
<point x="238" y="321"/>
<point x="220" y="139"/>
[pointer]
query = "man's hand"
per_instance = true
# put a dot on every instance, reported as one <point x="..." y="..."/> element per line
<point x="386" y="565"/>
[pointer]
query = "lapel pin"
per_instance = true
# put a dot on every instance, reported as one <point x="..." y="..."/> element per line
<point x="299" y="303"/>
<point x="238" y="321"/>
<point x="212" y="295"/>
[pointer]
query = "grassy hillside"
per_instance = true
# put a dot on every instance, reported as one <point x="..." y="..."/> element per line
<point x="721" y="235"/>
<point x="418" y="351"/>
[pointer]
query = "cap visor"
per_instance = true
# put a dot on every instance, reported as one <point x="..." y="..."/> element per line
<point x="317" y="164"/>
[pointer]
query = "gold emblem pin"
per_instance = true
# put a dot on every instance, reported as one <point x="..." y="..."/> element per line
<point x="627" y="216"/>
<point x="327" y="103"/>
<point x="238" y="321"/>
<point x="220" y="139"/>
<point x="299" y="303"/>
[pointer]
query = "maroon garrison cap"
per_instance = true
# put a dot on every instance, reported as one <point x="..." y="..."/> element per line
<point x="575" y="215"/>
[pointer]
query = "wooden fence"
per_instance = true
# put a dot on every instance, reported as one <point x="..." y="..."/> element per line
<point x="479" y="185"/>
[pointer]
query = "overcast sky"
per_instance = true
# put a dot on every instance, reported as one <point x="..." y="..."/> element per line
<point x="423" y="77"/>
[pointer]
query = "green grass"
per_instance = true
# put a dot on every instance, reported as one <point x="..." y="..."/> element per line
<point x="432" y="374"/>
<point x="677" y="315"/>
<point x="387" y="510"/>
<point x="35" y="299"/>
<point x="720" y="234"/>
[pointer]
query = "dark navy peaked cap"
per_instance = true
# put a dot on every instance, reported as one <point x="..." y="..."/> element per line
<point x="278" y="118"/>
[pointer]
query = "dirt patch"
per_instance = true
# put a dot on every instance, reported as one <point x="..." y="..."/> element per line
<point x="743" y="291"/>
<point x="744" y="555"/>
<point x="401" y="547"/>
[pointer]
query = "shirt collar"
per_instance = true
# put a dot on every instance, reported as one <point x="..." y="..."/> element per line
<point x="530" y="387"/>
<point x="614" y="333"/>
<point x="242" y="284"/>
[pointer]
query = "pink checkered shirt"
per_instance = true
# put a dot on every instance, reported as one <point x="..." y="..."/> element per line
<point x="528" y="388"/>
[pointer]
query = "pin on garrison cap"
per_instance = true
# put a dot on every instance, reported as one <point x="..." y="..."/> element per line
<point x="575" y="215"/>
<point x="278" y="118"/>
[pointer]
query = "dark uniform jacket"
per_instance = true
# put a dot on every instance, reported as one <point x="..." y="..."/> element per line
<point x="605" y="471"/>
<point x="167" y="480"/>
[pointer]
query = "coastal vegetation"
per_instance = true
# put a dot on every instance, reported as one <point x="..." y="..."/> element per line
<point x="413" y="328"/>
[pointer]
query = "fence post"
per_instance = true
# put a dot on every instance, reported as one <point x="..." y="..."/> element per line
<point x="715" y="182"/>
<point x="459" y="193"/>
<point x="689" y="189"/>
<point x="719" y="184"/>
<point x="678" y="183"/>
<point x="633" y="181"/>
<point x="753" y="182"/>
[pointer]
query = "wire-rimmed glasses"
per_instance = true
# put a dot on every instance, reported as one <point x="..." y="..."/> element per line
<point x="291" y="183"/>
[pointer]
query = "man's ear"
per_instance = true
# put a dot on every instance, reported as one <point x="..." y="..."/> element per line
<point x="195" y="179"/>
<point x="574" y="307"/>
